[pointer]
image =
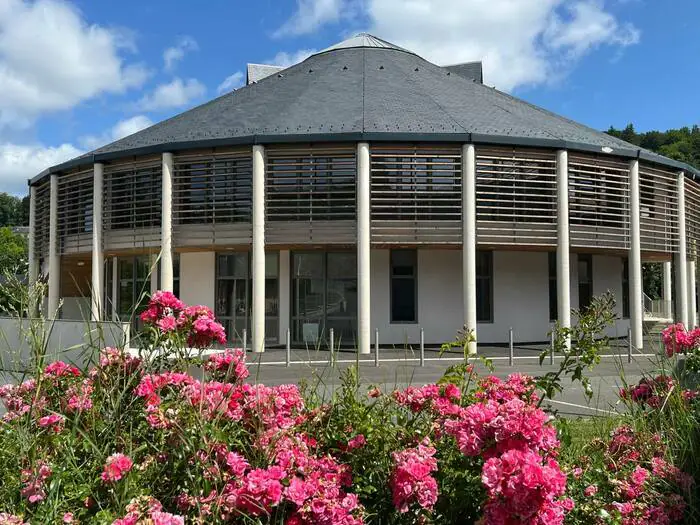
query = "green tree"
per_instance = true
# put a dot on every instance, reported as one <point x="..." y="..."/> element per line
<point x="13" y="210"/>
<point x="13" y="252"/>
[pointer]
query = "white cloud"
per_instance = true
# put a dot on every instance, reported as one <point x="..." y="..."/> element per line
<point x="310" y="15"/>
<point x="175" y="94"/>
<point x="521" y="42"/>
<point x="285" y="59"/>
<point x="588" y="26"/>
<point x="52" y="59"/>
<point x="173" y="55"/>
<point x="18" y="163"/>
<point x="121" y="129"/>
<point x="231" y="82"/>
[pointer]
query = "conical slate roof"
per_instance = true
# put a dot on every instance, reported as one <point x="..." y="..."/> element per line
<point x="365" y="89"/>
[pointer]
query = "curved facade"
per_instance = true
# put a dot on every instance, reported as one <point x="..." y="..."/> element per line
<point x="366" y="189"/>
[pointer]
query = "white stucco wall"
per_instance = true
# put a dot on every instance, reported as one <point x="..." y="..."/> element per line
<point x="607" y="276"/>
<point x="197" y="278"/>
<point x="75" y="308"/>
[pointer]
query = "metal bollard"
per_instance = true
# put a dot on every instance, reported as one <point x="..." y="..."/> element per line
<point x="422" y="347"/>
<point x="331" y="337"/>
<point x="510" y="346"/>
<point x="629" y="345"/>
<point x="551" y="350"/>
<point x="376" y="347"/>
<point x="245" y="340"/>
<point x="289" y="348"/>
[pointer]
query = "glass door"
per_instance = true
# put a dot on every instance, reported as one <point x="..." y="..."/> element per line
<point x="324" y="296"/>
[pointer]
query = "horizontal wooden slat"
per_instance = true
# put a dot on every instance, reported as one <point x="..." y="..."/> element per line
<point x="658" y="209"/>
<point x="516" y="196"/>
<point x="416" y="193"/>
<point x="75" y="212"/>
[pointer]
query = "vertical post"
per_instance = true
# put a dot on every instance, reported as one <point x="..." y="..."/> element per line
<point x="422" y="347"/>
<point x="115" y="289"/>
<point x="289" y="348"/>
<point x="166" y="242"/>
<point x="33" y="261"/>
<point x="469" y="241"/>
<point x="245" y="340"/>
<point x="284" y="291"/>
<point x="97" y="253"/>
<point x="682" y="257"/>
<point x="54" y="258"/>
<point x="153" y="266"/>
<point x="510" y="346"/>
<point x="563" y="263"/>
<point x="635" y="260"/>
<point x="331" y="337"/>
<point x="668" y="289"/>
<point x="258" y="248"/>
<point x="376" y="347"/>
<point x="551" y="348"/>
<point x="692" y="298"/>
<point x="629" y="345"/>
<point x="363" y="248"/>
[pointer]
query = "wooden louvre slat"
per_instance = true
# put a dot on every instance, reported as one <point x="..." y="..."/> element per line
<point x="309" y="191"/>
<point x="132" y="204"/>
<point x="692" y="217"/>
<point x="42" y="219"/>
<point x="516" y="196"/>
<point x="416" y="193"/>
<point x="212" y="198"/>
<point x="75" y="212"/>
<point x="658" y="209"/>
<point x="598" y="202"/>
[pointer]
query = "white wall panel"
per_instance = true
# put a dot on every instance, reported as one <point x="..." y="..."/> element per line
<point x="197" y="279"/>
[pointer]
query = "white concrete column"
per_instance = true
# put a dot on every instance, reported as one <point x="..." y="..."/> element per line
<point x="115" y="288"/>
<point x="469" y="241"/>
<point x="33" y="262"/>
<point x="153" y="262"/>
<point x="97" y="289"/>
<point x="284" y="291"/>
<point x="563" y="251"/>
<point x="258" y="318"/>
<point x="363" y="249"/>
<point x="682" y="315"/>
<point x="635" y="261"/>
<point x="54" y="257"/>
<point x="692" y="297"/>
<point x="166" y="225"/>
<point x="668" y="289"/>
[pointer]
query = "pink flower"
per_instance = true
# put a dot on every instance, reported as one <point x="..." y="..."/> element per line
<point x="55" y="421"/>
<point x="411" y="481"/>
<point x="357" y="442"/>
<point x="116" y="467"/>
<point x="11" y="519"/>
<point x="68" y="517"/>
<point x="591" y="490"/>
<point x="167" y="323"/>
<point x="639" y="475"/>
<point x="61" y="369"/>
<point x="374" y="392"/>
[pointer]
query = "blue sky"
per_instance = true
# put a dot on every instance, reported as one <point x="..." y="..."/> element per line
<point x="78" y="74"/>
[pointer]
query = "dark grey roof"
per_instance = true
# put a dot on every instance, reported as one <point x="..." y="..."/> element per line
<point x="256" y="72"/>
<point x="376" y="92"/>
<point x="469" y="70"/>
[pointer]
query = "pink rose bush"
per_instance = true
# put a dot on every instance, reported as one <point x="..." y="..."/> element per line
<point x="151" y="440"/>
<point x="628" y="478"/>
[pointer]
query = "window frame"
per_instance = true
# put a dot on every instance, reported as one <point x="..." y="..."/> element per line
<point x="588" y="259"/>
<point x="490" y="277"/>
<point x="413" y="278"/>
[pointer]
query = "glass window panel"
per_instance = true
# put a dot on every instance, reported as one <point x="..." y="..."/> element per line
<point x="271" y="264"/>
<point x="342" y="266"/>
<point x="403" y="301"/>
<point x="309" y="265"/>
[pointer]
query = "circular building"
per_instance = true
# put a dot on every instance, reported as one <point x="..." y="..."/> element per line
<point x="368" y="189"/>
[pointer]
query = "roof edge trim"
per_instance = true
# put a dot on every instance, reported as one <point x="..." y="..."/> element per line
<point x="461" y="138"/>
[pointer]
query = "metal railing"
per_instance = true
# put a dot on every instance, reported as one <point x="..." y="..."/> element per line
<point x="661" y="309"/>
<point x="622" y="350"/>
